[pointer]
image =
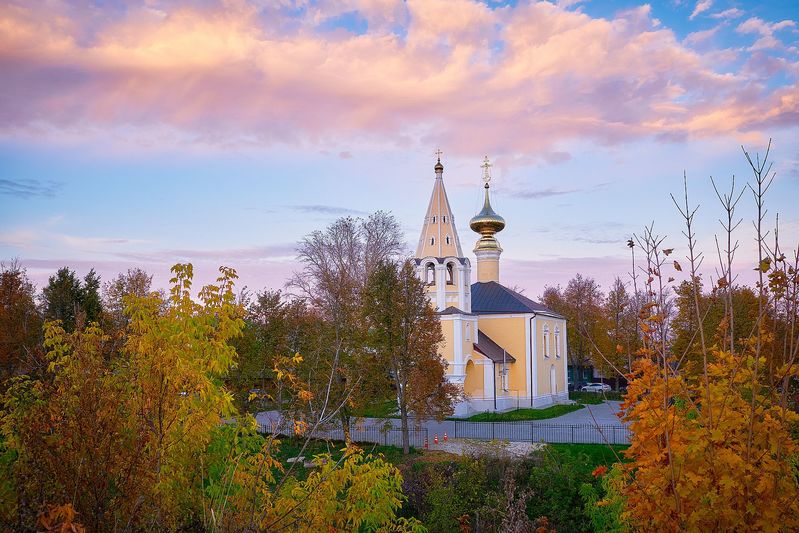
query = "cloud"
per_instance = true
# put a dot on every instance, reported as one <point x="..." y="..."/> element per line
<point x="701" y="7"/>
<point x="698" y="37"/>
<point x="345" y="155"/>
<point x="327" y="210"/>
<point x="765" y="30"/>
<point x="731" y="13"/>
<point x="247" y="75"/>
<point x="534" y="194"/>
<point x="28" y="188"/>
<point x="543" y="193"/>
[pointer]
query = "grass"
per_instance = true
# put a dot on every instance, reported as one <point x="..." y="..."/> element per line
<point x="598" y="454"/>
<point x="291" y="446"/>
<point x="525" y="414"/>
<point x="594" y="398"/>
<point x="387" y="409"/>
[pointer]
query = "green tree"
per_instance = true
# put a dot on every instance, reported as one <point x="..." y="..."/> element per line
<point x="61" y="298"/>
<point x="275" y="326"/>
<point x="405" y="335"/>
<point x="90" y="301"/>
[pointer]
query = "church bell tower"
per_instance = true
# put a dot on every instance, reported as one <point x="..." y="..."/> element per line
<point x="439" y="257"/>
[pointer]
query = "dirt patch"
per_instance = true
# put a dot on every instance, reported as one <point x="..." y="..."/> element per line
<point x="480" y="447"/>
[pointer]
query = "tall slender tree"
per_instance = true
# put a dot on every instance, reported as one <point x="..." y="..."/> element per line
<point x="405" y="335"/>
<point x="336" y="264"/>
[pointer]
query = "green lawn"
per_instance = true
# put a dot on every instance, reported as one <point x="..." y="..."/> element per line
<point x="598" y="454"/>
<point x="291" y="446"/>
<point x="525" y="414"/>
<point x="387" y="409"/>
<point x="594" y="397"/>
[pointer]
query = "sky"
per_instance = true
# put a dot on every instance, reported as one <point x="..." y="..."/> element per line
<point x="141" y="134"/>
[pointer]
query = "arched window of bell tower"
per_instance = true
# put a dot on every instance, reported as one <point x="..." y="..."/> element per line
<point x="450" y="274"/>
<point x="430" y="274"/>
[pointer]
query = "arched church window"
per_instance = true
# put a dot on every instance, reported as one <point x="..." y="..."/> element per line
<point x="444" y="219"/>
<point x="432" y="240"/>
<point x="450" y="274"/>
<point x="546" y="341"/>
<point x="434" y="219"/>
<point x="557" y="342"/>
<point x="447" y="239"/>
<point x="430" y="274"/>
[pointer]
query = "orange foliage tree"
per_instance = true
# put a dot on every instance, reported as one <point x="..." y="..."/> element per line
<point x="713" y="444"/>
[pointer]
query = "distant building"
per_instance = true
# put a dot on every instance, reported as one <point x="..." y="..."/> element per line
<point x="506" y="350"/>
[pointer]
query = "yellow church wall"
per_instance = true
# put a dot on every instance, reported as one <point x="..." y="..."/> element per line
<point x="473" y="384"/>
<point x="545" y="363"/>
<point x="508" y="332"/>
<point x="446" y="347"/>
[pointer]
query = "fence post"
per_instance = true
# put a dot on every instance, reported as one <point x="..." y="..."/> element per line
<point x="572" y="439"/>
<point x="492" y="431"/>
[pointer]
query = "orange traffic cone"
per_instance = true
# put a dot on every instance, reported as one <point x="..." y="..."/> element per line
<point x="445" y="436"/>
<point x="435" y="439"/>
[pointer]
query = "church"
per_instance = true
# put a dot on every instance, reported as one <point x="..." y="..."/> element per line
<point x="506" y="350"/>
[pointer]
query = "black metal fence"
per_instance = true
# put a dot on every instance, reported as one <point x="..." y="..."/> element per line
<point x="387" y="436"/>
<point x="535" y="432"/>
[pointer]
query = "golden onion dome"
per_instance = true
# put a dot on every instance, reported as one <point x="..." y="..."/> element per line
<point x="487" y="222"/>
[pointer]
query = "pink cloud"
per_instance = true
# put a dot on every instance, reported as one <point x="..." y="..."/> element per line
<point x="513" y="80"/>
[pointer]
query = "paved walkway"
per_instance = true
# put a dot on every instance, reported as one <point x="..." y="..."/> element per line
<point x="592" y="424"/>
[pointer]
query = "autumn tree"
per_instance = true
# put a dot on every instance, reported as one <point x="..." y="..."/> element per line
<point x="151" y="440"/>
<point x="582" y="303"/>
<point x="336" y="265"/>
<point x="405" y="335"/>
<point x="621" y="313"/>
<point x="135" y="282"/>
<point x="713" y="444"/>
<point x="274" y="326"/>
<point x="20" y="323"/>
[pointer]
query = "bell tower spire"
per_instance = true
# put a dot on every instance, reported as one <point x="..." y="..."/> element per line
<point x="487" y="223"/>
<point x="439" y="236"/>
<point x="439" y="257"/>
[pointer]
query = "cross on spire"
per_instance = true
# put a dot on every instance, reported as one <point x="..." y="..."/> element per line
<point x="438" y="153"/>
<point x="485" y="166"/>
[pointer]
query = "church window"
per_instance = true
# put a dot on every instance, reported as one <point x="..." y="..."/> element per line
<point x="468" y="332"/>
<point x="546" y="341"/>
<point x="430" y="274"/>
<point x="447" y="239"/>
<point x="434" y="219"/>
<point x="557" y="342"/>
<point x="450" y="275"/>
<point x="444" y="219"/>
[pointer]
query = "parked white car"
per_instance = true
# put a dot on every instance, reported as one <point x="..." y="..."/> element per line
<point x="596" y="387"/>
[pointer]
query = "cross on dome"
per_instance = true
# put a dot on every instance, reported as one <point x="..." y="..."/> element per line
<point x="485" y="166"/>
<point x="438" y="153"/>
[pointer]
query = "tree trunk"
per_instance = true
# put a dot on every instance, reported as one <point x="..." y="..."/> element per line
<point x="344" y="416"/>
<point x="404" y="424"/>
